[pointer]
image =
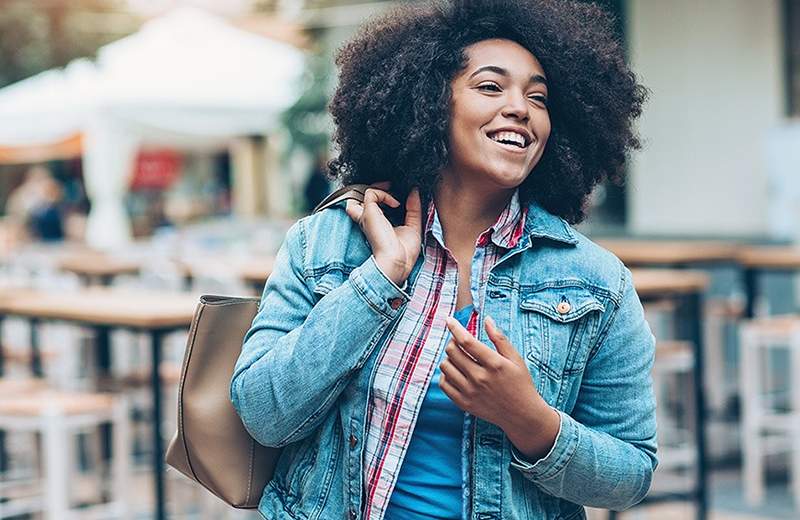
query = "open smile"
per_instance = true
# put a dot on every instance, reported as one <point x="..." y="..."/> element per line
<point x="511" y="147"/>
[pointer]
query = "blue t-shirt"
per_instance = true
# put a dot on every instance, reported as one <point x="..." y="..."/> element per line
<point x="429" y="484"/>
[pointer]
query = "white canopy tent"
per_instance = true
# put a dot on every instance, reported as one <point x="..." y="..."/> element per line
<point x="185" y="77"/>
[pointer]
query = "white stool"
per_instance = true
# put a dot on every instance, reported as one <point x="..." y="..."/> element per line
<point x="767" y="428"/>
<point x="721" y="388"/>
<point x="54" y="414"/>
<point x="674" y="362"/>
<point x="721" y="318"/>
<point x="63" y="352"/>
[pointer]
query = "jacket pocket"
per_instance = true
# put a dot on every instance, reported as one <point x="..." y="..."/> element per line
<point x="559" y="324"/>
<point x="312" y="479"/>
<point x="299" y="468"/>
<point x="293" y="466"/>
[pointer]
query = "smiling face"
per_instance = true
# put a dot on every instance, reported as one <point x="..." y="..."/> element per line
<point x="499" y="122"/>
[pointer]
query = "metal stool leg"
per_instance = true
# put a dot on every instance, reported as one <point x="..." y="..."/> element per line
<point x="56" y="468"/>
<point x="753" y="461"/>
<point x="794" y="353"/>
<point x="121" y="461"/>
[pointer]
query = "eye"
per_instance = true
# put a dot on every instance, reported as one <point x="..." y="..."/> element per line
<point x="493" y="87"/>
<point x="539" y="98"/>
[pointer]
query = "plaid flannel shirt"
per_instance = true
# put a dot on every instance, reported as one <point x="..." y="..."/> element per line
<point x="407" y="362"/>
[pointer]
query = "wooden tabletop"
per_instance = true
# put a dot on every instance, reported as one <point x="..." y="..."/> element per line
<point x="668" y="282"/>
<point x="672" y="252"/>
<point x="252" y="270"/>
<point x="770" y="257"/>
<point x="102" y="306"/>
<point x="256" y="271"/>
<point x="97" y="264"/>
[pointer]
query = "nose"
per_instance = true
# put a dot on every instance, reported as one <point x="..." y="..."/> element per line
<point x="516" y="105"/>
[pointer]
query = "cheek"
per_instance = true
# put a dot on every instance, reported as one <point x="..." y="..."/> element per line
<point x="464" y="137"/>
<point x="543" y="127"/>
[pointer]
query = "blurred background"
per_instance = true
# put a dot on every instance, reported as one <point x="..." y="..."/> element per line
<point x="155" y="150"/>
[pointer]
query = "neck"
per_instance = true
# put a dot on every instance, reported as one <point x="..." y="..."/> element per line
<point x="466" y="210"/>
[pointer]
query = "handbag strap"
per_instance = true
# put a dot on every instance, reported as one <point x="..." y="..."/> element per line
<point x="351" y="192"/>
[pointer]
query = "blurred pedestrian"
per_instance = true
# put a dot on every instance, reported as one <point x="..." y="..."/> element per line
<point x="38" y="205"/>
<point x="481" y="358"/>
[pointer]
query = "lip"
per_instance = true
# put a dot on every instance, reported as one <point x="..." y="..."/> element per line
<point x="517" y="129"/>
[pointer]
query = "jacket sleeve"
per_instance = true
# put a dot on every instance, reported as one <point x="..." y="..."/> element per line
<point x="605" y="452"/>
<point x="297" y="357"/>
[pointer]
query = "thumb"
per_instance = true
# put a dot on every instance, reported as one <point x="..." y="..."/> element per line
<point x="501" y="343"/>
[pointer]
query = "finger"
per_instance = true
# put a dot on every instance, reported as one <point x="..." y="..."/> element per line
<point x="451" y="391"/>
<point x="354" y="210"/>
<point x="454" y="375"/>
<point x="380" y="197"/>
<point x="414" y="210"/>
<point x="501" y="342"/>
<point x="480" y="352"/>
<point x="462" y="361"/>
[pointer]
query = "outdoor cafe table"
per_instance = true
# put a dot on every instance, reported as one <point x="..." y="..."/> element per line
<point x="96" y="268"/>
<point x="686" y="288"/>
<point x="152" y="312"/>
<point x="670" y="253"/>
<point x="253" y="271"/>
<point x="759" y="259"/>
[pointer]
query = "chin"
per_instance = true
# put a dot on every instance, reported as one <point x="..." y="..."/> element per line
<point x="507" y="179"/>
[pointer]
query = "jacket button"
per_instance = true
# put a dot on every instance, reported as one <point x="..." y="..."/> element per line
<point x="563" y="307"/>
<point x="395" y="303"/>
<point x="353" y="515"/>
<point x="353" y="441"/>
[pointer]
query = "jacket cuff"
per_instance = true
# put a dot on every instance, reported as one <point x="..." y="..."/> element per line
<point x="382" y="294"/>
<point x="556" y="459"/>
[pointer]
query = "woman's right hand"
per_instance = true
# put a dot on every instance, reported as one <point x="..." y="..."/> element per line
<point x="395" y="248"/>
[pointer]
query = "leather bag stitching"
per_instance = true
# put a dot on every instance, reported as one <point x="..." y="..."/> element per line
<point x="250" y="471"/>
<point x="192" y="335"/>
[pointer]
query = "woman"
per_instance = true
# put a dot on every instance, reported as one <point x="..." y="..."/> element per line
<point x="477" y="358"/>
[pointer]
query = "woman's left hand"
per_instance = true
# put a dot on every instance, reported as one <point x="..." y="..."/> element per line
<point x="497" y="387"/>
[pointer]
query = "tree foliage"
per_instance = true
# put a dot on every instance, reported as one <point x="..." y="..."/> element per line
<point x="42" y="34"/>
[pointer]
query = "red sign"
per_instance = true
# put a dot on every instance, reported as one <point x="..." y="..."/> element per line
<point x="156" y="169"/>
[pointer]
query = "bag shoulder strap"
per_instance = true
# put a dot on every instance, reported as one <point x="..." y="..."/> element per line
<point x="351" y="192"/>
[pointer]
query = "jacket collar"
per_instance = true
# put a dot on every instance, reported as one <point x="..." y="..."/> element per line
<point x="542" y="224"/>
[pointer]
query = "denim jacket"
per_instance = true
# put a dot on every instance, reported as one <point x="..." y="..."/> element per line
<point x="303" y="379"/>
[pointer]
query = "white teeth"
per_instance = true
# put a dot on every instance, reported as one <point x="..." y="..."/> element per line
<point x="509" y="136"/>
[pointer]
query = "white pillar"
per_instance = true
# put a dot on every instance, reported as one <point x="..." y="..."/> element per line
<point x="108" y="158"/>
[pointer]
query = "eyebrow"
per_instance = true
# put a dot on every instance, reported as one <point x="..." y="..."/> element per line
<point x="536" y="78"/>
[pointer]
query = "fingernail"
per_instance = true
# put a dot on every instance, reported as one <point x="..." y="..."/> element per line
<point x="491" y="322"/>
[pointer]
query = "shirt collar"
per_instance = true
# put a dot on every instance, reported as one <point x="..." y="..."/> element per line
<point x="514" y="223"/>
<point x="506" y="232"/>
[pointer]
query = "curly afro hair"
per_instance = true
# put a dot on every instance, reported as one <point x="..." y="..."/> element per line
<point x="391" y="107"/>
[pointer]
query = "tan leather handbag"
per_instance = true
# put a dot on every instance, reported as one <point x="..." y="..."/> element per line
<point x="211" y="445"/>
